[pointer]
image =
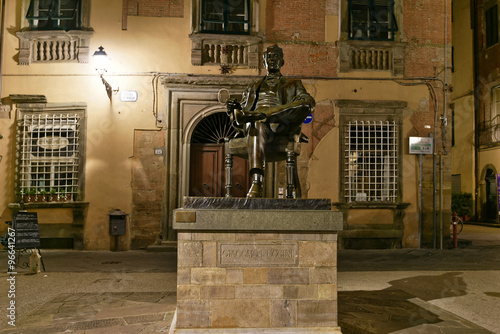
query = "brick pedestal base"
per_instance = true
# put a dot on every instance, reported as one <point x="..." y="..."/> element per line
<point x="246" y="280"/>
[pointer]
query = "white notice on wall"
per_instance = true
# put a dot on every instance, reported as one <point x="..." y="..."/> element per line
<point x="128" y="95"/>
<point x="421" y="145"/>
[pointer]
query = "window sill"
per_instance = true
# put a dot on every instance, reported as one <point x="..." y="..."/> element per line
<point x="54" y="46"/>
<point x="371" y="205"/>
<point x="48" y="205"/>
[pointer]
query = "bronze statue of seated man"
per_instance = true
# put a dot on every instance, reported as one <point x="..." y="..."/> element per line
<point x="272" y="108"/>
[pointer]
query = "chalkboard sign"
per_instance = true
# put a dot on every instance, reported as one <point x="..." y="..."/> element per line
<point x="27" y="231"/>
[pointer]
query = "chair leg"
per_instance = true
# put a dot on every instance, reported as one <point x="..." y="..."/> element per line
<point x="290" y="172"/>
<point x="229" y="174"/>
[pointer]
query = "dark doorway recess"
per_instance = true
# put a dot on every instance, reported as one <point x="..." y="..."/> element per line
<point x="207" y="174"/>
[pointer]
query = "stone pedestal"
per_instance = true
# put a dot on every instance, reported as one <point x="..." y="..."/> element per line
<point x="260" y="266"/>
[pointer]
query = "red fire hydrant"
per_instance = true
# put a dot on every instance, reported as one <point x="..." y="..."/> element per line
<point x="454" y="219"/>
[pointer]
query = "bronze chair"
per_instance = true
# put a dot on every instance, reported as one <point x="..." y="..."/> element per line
<point x="281" y="148"/>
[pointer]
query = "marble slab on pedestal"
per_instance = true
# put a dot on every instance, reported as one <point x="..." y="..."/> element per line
<point x="256" y="203"/>
<point x="241" y="214"/>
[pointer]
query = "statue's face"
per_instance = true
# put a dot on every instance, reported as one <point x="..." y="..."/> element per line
<point x="273" y="60"/>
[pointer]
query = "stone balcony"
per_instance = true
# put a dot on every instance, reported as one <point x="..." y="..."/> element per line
<point x="54" y="46"/>
<point x="372" y="55"/>
<point x="232" y="50"/>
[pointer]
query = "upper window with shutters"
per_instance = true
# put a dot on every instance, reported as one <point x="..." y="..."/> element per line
<point x="372" y="20"/>
<point x="370" y="37"/>
<point x="225" y="16"/>
<point x="55" y="31"/>
<point x="225" y="32"/>
<point x="54" y="14"/>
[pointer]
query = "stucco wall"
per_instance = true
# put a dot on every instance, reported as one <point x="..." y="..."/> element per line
<point x="154" y="46"/>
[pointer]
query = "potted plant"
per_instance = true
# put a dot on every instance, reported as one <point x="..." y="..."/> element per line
<point x="61" y="195"/>
<point x="29" y="195"/>
<point x="461" y="204"/>
<point x="53" y="195"/>
<point x="41" y="195"/>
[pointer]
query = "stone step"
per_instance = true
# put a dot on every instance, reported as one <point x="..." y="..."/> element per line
<point x="164" y="246"/>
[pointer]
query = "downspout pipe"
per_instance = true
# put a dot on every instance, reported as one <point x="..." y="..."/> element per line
<point x="1" y="45"/>
<point x="475" y="75"/>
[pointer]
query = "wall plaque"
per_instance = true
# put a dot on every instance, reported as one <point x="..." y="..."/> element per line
<point x="258" y="254"/>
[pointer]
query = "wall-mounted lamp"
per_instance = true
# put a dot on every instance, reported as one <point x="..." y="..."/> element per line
<point x="101" y="61"/>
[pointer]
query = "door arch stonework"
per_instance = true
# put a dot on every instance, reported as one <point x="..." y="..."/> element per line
<point x="187" y="100"/>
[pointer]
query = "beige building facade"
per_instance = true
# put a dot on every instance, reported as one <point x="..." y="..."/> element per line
<point x="476" y="158"/>
<point x="73" y="154"/>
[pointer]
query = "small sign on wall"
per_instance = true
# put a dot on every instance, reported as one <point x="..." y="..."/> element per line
<point x="128" y="95"/>
<point x="421" y="145"/>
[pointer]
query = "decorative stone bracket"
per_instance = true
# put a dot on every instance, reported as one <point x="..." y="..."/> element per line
<point x="372" y="55"/>
<point x="54" y="46"/>
<point x="233" y="50"/>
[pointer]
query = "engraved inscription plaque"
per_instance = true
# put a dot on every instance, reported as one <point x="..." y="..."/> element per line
<point x="257" y="254"/>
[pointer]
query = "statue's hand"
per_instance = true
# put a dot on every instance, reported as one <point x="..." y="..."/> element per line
<point x="231" y="105"/>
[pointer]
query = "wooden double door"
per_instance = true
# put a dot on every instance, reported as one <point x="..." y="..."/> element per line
<point x="207" y="172"/>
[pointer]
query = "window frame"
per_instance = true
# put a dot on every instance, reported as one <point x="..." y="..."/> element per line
<point x="495" y="114"/>
<point x="373" y="111"/>
<point x="226" y="22"/>
<point x="372" y="22"/>
<point x="54" y="192"/>
<point x="491" y="25"/>
<point x="33" y="15"/>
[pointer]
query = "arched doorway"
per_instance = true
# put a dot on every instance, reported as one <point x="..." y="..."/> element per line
<point x="491" y="204"/>
<point x="207" y="159"/>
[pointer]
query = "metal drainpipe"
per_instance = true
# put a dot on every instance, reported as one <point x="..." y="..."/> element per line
<point x="444" y="124"/>
<point x="1" y="46"/>
<point x="476" y="86"/>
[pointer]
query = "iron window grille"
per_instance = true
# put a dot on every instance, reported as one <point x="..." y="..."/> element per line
<point x="372" y="20"/>
<point x="54" y="14"/>
<point x="491" y="18"/>
<point x="50" y="156"/>
<point x="371" y="161"/>
<point x="225" y="16"/>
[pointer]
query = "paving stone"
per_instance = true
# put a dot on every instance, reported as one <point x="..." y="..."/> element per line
<point x="144" y="318"/>
<point x="82" y="325"/>
<point x="149" y="297"/>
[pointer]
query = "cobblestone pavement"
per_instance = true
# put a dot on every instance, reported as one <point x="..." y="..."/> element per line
<point x="380" y="291"/>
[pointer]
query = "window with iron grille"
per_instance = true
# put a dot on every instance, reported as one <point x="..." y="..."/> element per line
<point x="50" y="156"/>
<point x="225" y="16"/>
<point x="491" y="18"/>
<point x="371" y="20"/>
<point x="54" y="14"/>
<point x="370" y="161"/>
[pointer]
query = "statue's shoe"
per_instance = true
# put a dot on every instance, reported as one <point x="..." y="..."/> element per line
<point x="255" y="190"/>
